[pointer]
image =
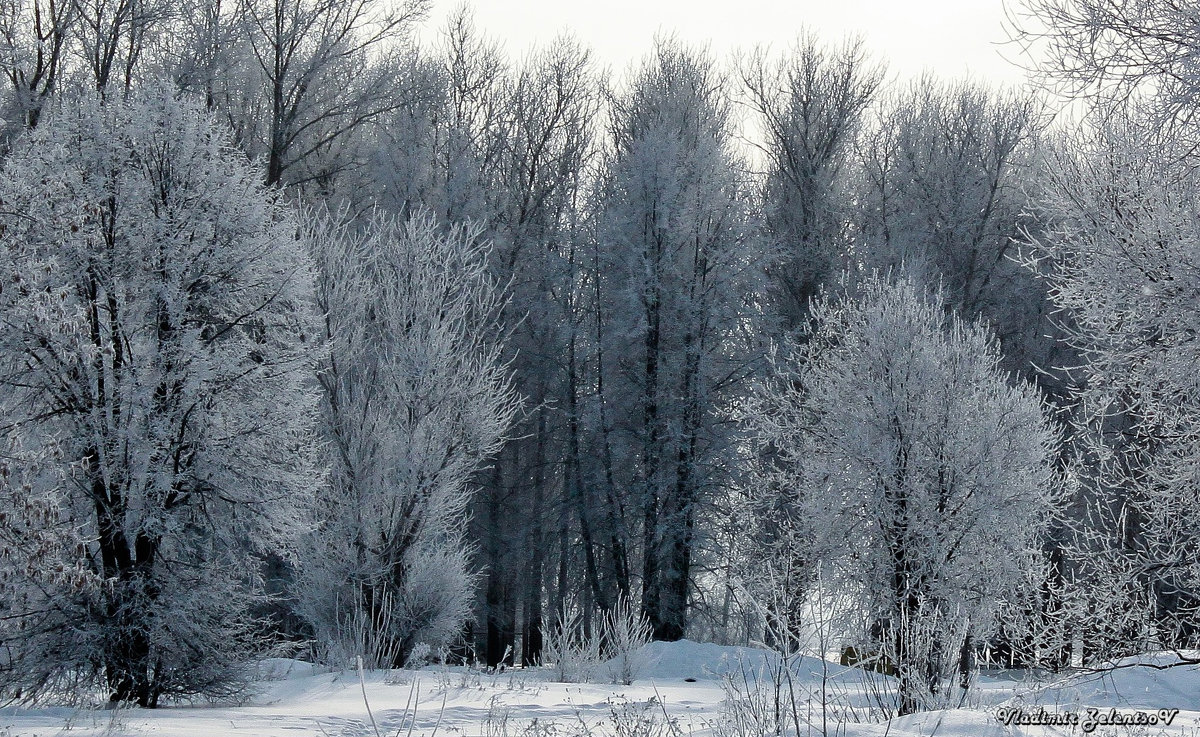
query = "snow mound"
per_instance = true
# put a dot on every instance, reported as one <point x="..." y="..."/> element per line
<point x="702" y="661"/>
<point x="1151" y="681"/>
<point x="1167" y="659"/>
<point x="283" y="669"/>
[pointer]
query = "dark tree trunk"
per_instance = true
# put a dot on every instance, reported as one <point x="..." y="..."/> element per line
<point x="128" y="669"/>
<point x="675" y="576"/>
<point x="576" y="488"/>
<point x="499" y="606"/>
<point x="501" y="627"/>
<point x="532" y="622"/>
<point x="618" y="556"/>
<point x="966" y="662"/>
<point x="651" y="535"/>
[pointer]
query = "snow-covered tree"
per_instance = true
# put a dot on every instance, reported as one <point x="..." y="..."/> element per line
<point x="438" y="148"/>
<point x="34" y="44"/>
<point x="45" y="583"/>
<point x="918" y="475"/>
<point x="941" y="175"/>
<point x="504" y="145"/>
<point x="416" y="398"/>
<point x="1118" y="246"/>
<point x="677" y="272"/>
<point x="157" y="322"/>
<point x="1139" y="53"/>
<point x="809" y="105"/>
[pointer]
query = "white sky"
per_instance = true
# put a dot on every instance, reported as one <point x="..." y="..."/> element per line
<point x="953" y="38"/>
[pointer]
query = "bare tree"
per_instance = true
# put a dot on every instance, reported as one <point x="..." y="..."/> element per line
<point x="809" y="104"/>
<point x="1119" y="52"/>
<point x="114" y="35"/>
<point x="326" y="69"/>
<point x="35" y="39"/>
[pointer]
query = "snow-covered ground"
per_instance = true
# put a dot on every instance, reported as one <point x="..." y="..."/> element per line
<point x="682" y="692"/>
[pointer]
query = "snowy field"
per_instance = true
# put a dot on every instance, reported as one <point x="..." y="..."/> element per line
<point x="683" y="692"/>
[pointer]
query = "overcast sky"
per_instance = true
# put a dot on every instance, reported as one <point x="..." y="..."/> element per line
<point x="953" y="38"/>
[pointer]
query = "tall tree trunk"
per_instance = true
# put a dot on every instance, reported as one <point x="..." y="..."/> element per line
<point x="127" y="664"/>
<point x="500" y="630"/>
<point x="577" y="489"/>
<point x="651" y="535"/>
<point x="966" y="662"/>
<point x="678" y="515"/>
<point x="531" y="633"/>
<point x="618" y="558"/>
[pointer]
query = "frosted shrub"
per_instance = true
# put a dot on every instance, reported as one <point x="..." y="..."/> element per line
<point x="625" y="631"/>
<point x="641" y="718"/>
<point x="572" y="654"/>
<point x="575" y="655"/>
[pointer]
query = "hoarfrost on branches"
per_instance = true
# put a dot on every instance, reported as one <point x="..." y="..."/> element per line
<point x="157" y="322"/>
<point x="912" y="470"/>
<point x="416" y="398"/>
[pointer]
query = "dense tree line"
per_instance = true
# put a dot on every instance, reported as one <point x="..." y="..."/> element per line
<point x="315" y="334"/>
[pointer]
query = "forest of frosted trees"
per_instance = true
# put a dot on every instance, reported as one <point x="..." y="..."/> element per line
<point x="316" y="339"/>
